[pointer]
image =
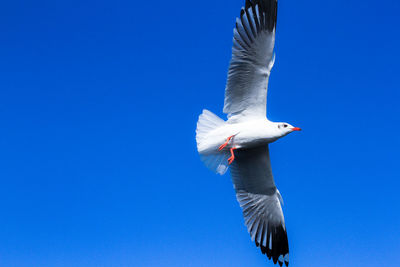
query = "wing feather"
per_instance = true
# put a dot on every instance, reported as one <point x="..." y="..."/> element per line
<point x="252" y="54"/>
<point x="260" y="202"/>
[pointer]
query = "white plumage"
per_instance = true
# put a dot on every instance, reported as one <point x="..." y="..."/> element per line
<point x="241" y="142"/>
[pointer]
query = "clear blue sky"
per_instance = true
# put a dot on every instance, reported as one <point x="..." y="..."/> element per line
<point x="98" y="107"/>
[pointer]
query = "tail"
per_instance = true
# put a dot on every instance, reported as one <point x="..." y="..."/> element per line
<point x="218" y="161"/>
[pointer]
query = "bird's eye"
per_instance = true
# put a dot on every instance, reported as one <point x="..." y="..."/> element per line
<point x="285" y="125"/>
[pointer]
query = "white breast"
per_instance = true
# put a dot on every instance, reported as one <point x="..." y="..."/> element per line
<point x="246" y="134"/>
<point x="254" y="133"/>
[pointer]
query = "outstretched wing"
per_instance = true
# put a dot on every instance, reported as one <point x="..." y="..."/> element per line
<point x="252" y="59"/>
<point x="260" y="201"/>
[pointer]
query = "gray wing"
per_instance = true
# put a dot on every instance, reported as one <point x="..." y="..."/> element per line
<point x="260" y="202"/>
<point x="252" y="59"/>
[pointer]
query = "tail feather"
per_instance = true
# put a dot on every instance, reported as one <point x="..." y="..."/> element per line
<point x="207" y="122"/>
<point x="218" y="161"/>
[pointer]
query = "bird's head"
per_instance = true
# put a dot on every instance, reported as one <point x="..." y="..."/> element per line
<point x="286" y="128"/>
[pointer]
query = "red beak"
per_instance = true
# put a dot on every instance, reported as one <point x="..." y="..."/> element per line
<point x="296" y="129"/>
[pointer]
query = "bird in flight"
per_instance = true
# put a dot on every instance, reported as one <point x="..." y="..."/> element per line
<point x="241" y="142"/>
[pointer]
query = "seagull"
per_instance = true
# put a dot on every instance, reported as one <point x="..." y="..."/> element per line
<point x="241" y="142"/>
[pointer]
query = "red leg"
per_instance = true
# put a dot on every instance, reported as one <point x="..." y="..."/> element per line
<point x="232" y="158"/>
<point x="226" y="143"/>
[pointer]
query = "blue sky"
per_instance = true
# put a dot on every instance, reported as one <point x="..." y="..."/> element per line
<point x="98" y="106"/>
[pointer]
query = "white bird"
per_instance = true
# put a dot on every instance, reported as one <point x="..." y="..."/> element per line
<point x="242" y="141"/>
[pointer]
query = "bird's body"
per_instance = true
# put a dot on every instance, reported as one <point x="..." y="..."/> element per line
<point x="241" y="143"/>
<point x="247" y="134"/>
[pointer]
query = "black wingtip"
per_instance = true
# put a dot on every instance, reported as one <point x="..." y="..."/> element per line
<point x="268" y="11"/>
<point x="277" y="246"/>
<point x="248" y="4"/>
<point x="242" y="12"/>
